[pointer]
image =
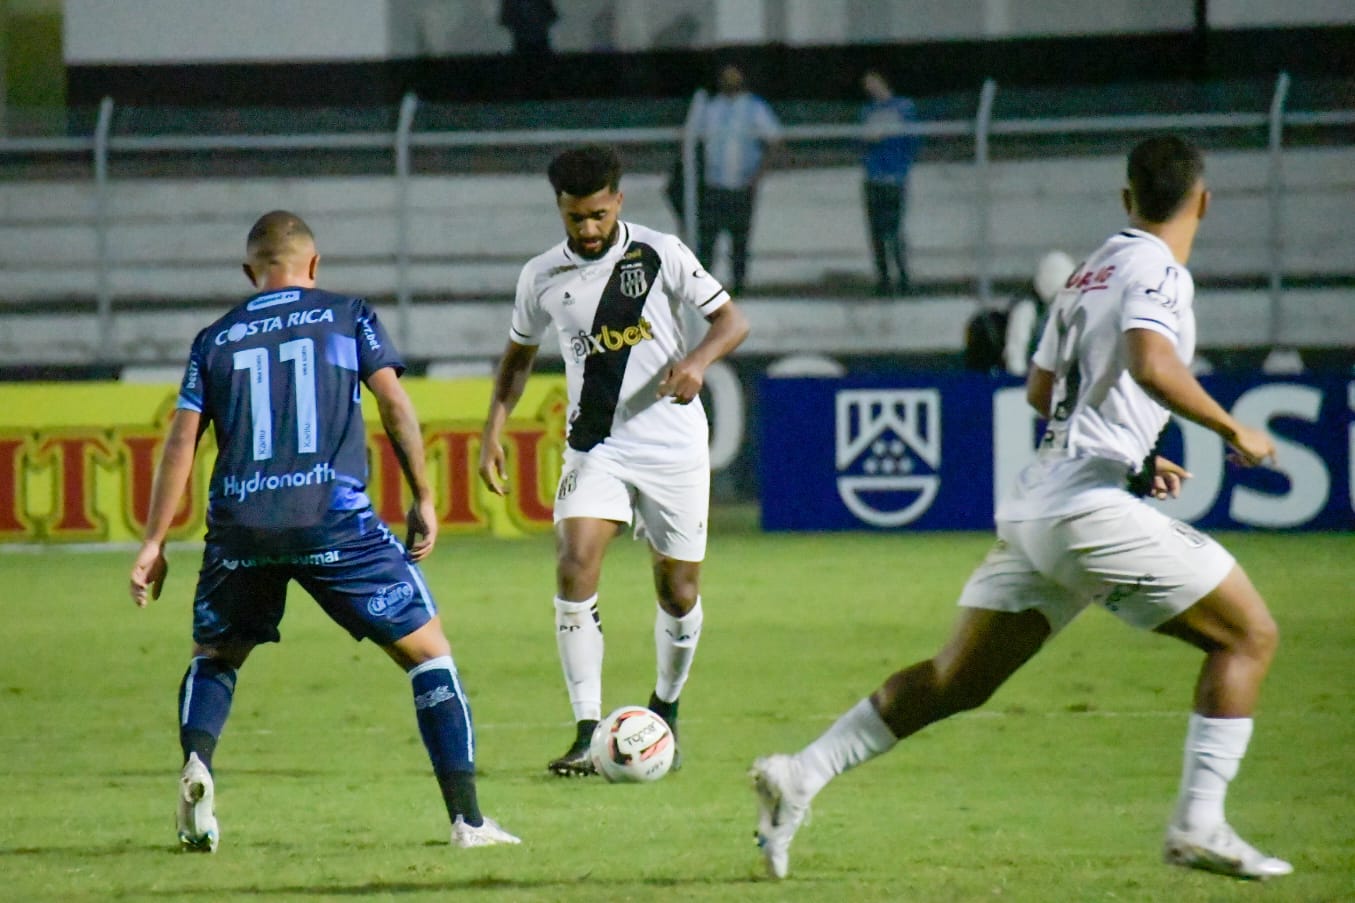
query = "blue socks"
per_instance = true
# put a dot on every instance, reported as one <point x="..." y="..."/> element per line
<point x="445" y="725"/>
<point x="204" y="702"/>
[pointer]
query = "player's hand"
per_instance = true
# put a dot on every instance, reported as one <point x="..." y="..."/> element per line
<point x="682" y="382"/>
<point x="1252" y="447"/>
<point x="1167" y="478"/>
<point x="421" y="523"/>
<point x="148" y="573"/>
<point x="494" y="466"/>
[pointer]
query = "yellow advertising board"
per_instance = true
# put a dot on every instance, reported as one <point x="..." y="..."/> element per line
<point x="77" y="459"/>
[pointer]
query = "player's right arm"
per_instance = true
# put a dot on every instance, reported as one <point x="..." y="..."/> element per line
<point x="401" y="424"/>
<point x="510" y="379"/>
<point x="171" y="478"/>
<point x="1155" y="366"/>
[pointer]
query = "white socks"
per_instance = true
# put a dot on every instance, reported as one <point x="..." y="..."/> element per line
<point x="674" y="648"/>
<point x="1214" y="750"/>
<point x="858" y="736"/>
<point x="578" y="637"/>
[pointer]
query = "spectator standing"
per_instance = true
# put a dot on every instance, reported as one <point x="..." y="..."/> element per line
<point x="888" y="156"/>
<point x="740" y="132"/>
<point x="529" y="21"/>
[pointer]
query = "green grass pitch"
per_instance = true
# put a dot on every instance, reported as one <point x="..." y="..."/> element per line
<point x="1057" y="791"/>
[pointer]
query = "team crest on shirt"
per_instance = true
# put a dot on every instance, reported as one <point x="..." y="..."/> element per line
<point x="390" y="599"/>
<point x="633" y="283"/>
<point x="888" y="453"/>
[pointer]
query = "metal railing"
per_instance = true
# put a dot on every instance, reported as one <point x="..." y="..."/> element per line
<point x="982" y="128"/>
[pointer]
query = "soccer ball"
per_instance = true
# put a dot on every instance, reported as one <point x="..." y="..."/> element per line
<point x="632" y="745"/>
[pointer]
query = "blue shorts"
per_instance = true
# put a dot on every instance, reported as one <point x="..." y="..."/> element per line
<point x="363" y="582"/>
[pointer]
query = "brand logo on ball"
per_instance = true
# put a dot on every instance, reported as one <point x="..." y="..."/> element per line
<point x="888" y="451"/>
<point x="390" y="599"/>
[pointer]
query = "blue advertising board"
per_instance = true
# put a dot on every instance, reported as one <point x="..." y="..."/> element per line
<point x="933" y="451"/>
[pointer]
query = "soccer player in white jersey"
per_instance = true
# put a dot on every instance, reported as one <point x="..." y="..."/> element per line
<point x="1111" y="366"/>
<point x="612" y="293"/>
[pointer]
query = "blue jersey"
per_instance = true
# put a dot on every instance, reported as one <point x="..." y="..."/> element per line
<point x="280" y="380"/>
<point x="888" y="154"/>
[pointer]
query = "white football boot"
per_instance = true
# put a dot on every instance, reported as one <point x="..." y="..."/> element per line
<point x="782" y="808"/>
<point x="197" y="822"/>
<point x="1220" y="850"/>
<point x="489" y="833"/>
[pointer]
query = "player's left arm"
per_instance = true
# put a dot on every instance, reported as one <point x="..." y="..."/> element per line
<point x="171" y="479"/>
<point x="728" y="329"/>
<point x="1040" y="389"/>
<point x="401" y="424"/>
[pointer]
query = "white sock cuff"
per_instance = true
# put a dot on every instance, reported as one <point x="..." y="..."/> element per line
<point x="871" y="727"/>
<point x="441" y="662"/>
<point x="565" y="607"/>
<point x="1228" y="736"/>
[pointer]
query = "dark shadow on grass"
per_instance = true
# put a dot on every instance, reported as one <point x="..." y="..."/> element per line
<point x="488" y="882"/>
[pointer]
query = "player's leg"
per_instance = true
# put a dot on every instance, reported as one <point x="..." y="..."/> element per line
<point x="236" y="606"/>
<point x="1196" y="592"/>
<point x="581" y="544"/>
<point x="673" y="508"/>
<point x="1238" y="636"/>
<point x="374" y="592"/>
<point x="1008" y="611"/>
<point x="443" y="712"/>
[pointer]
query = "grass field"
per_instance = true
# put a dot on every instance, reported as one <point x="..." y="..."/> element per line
<point x="1057" y="791"/>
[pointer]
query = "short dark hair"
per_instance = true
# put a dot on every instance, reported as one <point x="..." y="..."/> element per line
<point x="1162" y="171"/>
<point x="582" y="171"/>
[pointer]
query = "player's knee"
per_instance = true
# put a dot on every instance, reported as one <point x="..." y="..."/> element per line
<point x="1262" y="637"/>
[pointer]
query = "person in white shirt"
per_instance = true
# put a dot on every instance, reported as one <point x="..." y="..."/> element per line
<point x="739" y="133"/>
<point x="613" y="293"/>
<point x="1111" y="366"/>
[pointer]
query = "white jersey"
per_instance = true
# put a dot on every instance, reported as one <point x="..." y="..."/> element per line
<point x="618" y="321"/>
<point x="1103" y="425"/>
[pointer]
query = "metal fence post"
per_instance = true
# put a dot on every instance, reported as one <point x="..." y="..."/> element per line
<point x="103" y="277"/>
<point x="983" y="200"/>
<point x="403" y="294"/>
<point x="1275" y="197"/>
<point x="690" y="167"/>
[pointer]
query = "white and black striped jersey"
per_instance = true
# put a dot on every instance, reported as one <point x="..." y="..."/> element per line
<point x="1103" y="425"/>
<point x="618" y="320"/>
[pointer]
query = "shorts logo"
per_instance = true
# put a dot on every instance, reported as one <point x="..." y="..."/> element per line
<point x="390" y="599"/>
<point x="567" y="484"/>
<point x="884" y="438"/>
<point x="1188" y="534"/>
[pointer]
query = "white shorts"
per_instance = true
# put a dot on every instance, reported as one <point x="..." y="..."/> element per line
<point x="670" y="503"/>
<point x="1129" y="558"/>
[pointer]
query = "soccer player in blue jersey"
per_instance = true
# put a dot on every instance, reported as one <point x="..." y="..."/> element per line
<point x="279" y="379"/>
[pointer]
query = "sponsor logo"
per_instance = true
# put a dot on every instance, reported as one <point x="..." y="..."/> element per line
<point x="390" y="599"/>
<point x="584" y="345"/>
<point x="1188" y="534"/>
<point x="273" y="300"/>
<point x="888" y="451"/>
<point x="241" y="488"/>
<point x="243" y="330"/>
<point x="435" y="696"/>
<point x="369" y="334"/>
<point x="329" y="556"/>
<point x="632" y="280"/>
<point x="569" y="299"/>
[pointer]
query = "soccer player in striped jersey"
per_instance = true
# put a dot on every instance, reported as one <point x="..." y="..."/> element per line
<point x="613" y="294"/>
<point x="1111" y="367"/>
<point x="279" y="379"/>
